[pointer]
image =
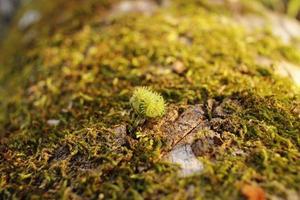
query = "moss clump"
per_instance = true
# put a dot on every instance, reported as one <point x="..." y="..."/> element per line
<point x="147" y="103"/>
<point x="79" y="67"/>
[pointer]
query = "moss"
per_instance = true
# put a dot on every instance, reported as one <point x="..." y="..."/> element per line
<point x="81" y="70"/>
<point x="147" y="103"/>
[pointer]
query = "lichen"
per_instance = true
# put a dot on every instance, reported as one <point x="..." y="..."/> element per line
<point x="80" y="67"/>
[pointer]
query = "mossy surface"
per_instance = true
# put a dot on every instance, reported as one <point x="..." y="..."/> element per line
<point x="78" y="68"/>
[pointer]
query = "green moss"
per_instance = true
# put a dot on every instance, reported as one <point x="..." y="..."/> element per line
<point x="147" y="103"/>
<point x="81" y="69"/>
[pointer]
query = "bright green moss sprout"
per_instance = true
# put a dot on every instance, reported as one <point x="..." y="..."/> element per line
<point x="147" y="103"/>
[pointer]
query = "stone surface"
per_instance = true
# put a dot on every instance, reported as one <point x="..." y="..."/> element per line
<point x="184" y="156"/>
<point x="141" y="6"/>
<point x="186" y="125"/>
<point x="206" y="144"/>
<point x="7" y="10"/>
<point x="180" y="130"/>
<point x="283" y="27"/>
<point x="53" y="122"/>
<point x="179" y="127"/>
<point x="29" y="18"/>
<point x="282" y="68"/>
<point x="195" y="130"/>
<point x="289" y="70"/>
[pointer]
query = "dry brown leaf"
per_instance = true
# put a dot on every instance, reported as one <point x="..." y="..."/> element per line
<point x="253" y="192"/>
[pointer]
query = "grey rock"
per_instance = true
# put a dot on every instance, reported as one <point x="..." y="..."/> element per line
<point x="53" y="122"/>
<point x="7" y="11"/>
<point x="184" y="156"/>
<point x="282" y="68"/>
<point x="183" y="129"/>
<point x="29" y="18"/>
<point x="140" y="6"/>
<point x="179" y="130"/>
<point x="6" y="7"/>
<point x="283" y="27"/>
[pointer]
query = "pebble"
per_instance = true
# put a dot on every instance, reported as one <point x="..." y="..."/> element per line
<point x="184" y="156"/>
<point x="178" y="67"/>
<point x="53" y="122"/>
<point x="141" y="6"/>
<point x="29" y="18"/>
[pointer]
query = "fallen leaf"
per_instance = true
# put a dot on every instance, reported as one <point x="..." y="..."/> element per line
<point x="253" y="192"/>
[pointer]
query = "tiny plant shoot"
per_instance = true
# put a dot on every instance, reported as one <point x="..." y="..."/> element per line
<point x="147" y="103"/>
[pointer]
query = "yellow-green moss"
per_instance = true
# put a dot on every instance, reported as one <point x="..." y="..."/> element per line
<point x="147" y="103"/>
<point x="81" y="70"/>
